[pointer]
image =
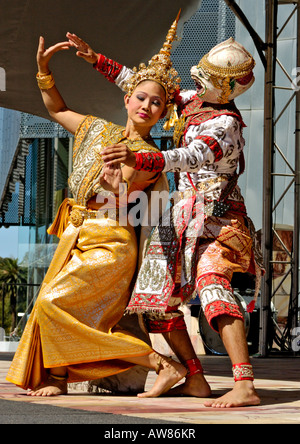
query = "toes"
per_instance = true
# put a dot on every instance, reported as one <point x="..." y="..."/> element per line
<point x="218" y="404"/>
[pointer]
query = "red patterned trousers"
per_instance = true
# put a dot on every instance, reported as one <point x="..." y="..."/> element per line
<point x="225" y="248"/>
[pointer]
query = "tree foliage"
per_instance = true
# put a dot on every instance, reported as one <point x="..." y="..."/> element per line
<point x="12" y="275"/>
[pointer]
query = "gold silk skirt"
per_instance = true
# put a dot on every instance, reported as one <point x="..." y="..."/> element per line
<point x="83" y="296"/>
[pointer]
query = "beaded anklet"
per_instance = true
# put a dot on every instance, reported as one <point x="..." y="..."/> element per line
<point x="243" y="372"/>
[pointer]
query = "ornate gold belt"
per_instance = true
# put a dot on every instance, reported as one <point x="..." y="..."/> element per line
<point x="79" y="214"/>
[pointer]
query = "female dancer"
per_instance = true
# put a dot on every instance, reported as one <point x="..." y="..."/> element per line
<point x="72" y="334"/>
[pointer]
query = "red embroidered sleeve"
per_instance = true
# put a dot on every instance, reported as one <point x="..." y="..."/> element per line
<point x="149" y="162"/>
<point x="213" y="145"/>
<point x="108" y="67"/>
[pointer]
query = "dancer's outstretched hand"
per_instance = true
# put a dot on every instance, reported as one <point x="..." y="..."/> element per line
<point x="44" y="55"/>
<point x="83" y="49"/>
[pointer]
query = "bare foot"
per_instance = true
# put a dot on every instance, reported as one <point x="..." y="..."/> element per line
<point x="243" y="394"/>
<point x="171" y="372"/>
<point x="51" y="387"/>
<point x="194" y="386"/>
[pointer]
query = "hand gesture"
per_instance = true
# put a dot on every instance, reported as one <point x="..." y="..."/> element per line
<point x="119" y="153"/>
<point x="44" y="55"/>
<point x="111" y="177"/>
<point x="83" y="49"/>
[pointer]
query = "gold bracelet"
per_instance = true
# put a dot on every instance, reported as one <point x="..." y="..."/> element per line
<point x="45" y="81"/>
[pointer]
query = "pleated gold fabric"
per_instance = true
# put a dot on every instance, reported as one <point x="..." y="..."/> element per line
<point x="72" y="323"/>
<point x="83" y="296"/>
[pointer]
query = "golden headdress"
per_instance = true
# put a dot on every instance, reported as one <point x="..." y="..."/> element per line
<point x="159" y="69"/>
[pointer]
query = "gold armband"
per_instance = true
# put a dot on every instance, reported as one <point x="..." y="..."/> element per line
<point x="45" y="81"/>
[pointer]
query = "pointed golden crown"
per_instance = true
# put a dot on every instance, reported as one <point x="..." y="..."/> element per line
<point x="159" y="68"/>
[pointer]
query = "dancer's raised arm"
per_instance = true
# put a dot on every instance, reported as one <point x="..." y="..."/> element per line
<point x="52" y="98"/>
